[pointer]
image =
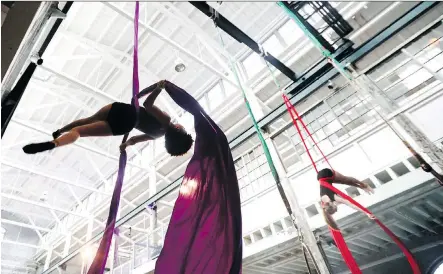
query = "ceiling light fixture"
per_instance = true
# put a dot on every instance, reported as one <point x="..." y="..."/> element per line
<point x="179" y="65"/>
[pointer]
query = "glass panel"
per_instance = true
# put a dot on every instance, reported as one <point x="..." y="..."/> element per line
<point x="253" y="64"/>
<point x="204" y="103"/>
<point x="229" y="88"/>
<point x="290" y="32"/>
<point x="273" y="46"/>
<point x="215" y="97"/>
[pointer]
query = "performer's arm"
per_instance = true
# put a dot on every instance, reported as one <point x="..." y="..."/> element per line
<point x="160" y="115"/>
<point x="147" y="90"/>
<point x="134" y="140"/>
<point x="345" y="180"/>
<point x="155" y="91"/>
<point x="340" y="200"/>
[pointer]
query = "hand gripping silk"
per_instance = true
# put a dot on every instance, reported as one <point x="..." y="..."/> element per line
<point x="205" y="231"/>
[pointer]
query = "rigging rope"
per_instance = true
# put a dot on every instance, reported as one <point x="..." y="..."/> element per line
<point x="337" y="236"/>
<point x="265" y="148"/>
<point x="99" y="263"/>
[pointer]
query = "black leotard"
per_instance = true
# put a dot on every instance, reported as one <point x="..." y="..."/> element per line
<point x="122" y="118"/>
<point x="149" y="125"/>
<point x="326" y="173"/>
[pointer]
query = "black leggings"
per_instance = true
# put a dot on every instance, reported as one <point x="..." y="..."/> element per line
<point x="325" y="173"/>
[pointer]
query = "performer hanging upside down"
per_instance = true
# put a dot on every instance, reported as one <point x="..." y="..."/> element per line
<point x="330" y="200"/>
<point x="120" y="118"/>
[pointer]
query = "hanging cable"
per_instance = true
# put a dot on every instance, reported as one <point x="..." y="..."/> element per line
<point x="264" y="145"/>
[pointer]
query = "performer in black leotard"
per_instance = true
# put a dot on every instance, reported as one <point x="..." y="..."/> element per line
<point x="329" y="199"/>
<point x="120" y="118"/>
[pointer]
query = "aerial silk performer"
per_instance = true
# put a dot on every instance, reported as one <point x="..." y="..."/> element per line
<point x="205" y="230"/>
<point x="326" y="177"/>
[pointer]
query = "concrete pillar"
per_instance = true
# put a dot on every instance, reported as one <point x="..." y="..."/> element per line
<point x="299" y="217"/>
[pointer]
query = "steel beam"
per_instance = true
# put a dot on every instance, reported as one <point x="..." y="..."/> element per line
<point x="52" y="177"/>
<point x="243" y="38"/>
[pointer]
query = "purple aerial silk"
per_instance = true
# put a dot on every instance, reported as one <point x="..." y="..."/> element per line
<point x="99" y="263"/>
<point x="205" y="230"/>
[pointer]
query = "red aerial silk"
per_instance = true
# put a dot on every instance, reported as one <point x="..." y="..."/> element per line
<point x="336" y="234"/>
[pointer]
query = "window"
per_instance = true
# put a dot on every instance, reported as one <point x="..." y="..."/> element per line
<point x="204" y="103"/>
<point x="290" y="32"/>
<point x="439" y="269"/>
<point x="253" y="64"/>
<point x="273" y="46"/>
<point x="229" y="88"/>
<point x="215" y="96"/>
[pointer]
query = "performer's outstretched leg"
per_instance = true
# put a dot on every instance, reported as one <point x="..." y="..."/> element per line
<point x="100" y="128"/>
<point x="101" y="115"/>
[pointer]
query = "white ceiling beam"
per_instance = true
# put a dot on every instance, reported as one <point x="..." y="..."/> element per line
<point x="33" y="226"/>
<point x="52" y="177"/>
<point x="104" y="204"/>
<point x="104" y="96"/>
<point x="23" y="200"/>
<point x="77" y="199"/>
<point x="78" y="143"/>
<point x="185" y="43"/>
<point x="174" y="13"/>
<point x="212" y="46"/>
<point x="62" y="93"/>
<point x="170" y="42"/>
<point x="143" y="36"/>
<point x="23" y="244"/>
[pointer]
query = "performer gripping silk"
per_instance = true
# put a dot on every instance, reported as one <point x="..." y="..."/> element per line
<point x="120" y="118"/>
<point x="205" y="231"/>
<point x="330" y="199"/>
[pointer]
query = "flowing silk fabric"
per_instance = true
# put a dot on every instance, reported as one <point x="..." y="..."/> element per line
<point x="404" y="249"/>
<point x="99" y="263"/>
<point x="205" y="231"/>
<point x="344" y="250"/>
<point x="338" y="237"/>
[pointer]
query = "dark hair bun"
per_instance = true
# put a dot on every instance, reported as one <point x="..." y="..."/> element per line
<point x="177" y="141"/>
